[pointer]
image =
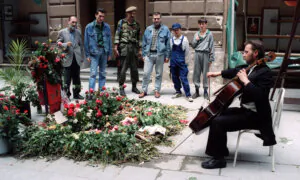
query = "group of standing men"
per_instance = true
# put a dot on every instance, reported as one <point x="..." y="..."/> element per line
<point x="157" y="47"/>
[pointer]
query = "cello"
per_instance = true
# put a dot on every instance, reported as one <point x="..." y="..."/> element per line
<point x="224" y="97"/>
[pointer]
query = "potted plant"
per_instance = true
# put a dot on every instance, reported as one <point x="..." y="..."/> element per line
<point x="11" y="119"/>
<point x="46" y="71"/>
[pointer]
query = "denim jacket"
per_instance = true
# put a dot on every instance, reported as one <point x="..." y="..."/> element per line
<point x="163" y="41"/>
<point x="90" y="40"/>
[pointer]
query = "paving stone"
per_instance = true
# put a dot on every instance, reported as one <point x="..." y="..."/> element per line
<point x="193" y="165"/>
<point x="7" y="161"/>
<point x="31" y="164"/>
<point x="175" y="175"/>
<point x="250" y="170"/>
<point x="166" y="162"/>
<point x="137" y="173"/>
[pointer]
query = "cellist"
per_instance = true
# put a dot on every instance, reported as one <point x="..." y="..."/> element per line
<point x="254" y="111"/>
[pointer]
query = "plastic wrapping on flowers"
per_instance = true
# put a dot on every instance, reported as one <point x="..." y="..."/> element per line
<point x="104" y="129"/>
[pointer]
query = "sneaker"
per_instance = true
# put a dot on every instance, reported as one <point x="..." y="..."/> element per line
<point x="189" y="98"/>
<point x="176" y="95"/>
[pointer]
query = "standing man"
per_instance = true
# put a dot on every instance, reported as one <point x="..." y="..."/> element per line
<point x="98" y="48"/>
<point x="179" y="60"/>
<point x="203" y="43"/>
<point x="255" y="110"/>
<point x="70" y="40"/>
<point x="156" y="51"/>
<point x="127" y="45"/>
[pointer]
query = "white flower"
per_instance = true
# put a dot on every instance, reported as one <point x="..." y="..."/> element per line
<point x="75" y="121"/>
<point x="89" y="114"/>
<point x="75" y="136"/>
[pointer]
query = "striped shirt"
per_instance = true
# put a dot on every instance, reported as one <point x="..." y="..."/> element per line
<point x="154" y="40"/>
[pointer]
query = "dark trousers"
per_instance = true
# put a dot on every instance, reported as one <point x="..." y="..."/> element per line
<point x="129" y="61"/>
<point x="179" y="76"/>
<point x="72" y="73"/>
<point x="232" y="119"/>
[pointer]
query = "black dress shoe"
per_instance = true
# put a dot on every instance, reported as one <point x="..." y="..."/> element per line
<point x="135" y="90"/>
<point x="214" y="163"/>
<point x="78" y="96"/>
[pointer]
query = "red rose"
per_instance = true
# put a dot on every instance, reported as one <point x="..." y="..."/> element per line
<point x="12" y="97"/>
<point x="77" y="105"/>
<point x="91" y="90"/>
<point x="103" y="88"/>
<point x="42" y="124"/>
<point x="57" y="59"/>
<point x="59" y="43"/>
<point x="63" y="56"/>
<point x="18" y="111"/>
<point x="1" y="95"/>
<point x="149" y="113"/>
<point x="72" y="106"/>
<point x="116" y="127"/>
<point x="118" y="98"/>
<point x="66" y="106"/>
<point x="5" y="108"/>
<point x="183" y="121"/>
<point x="33" y="73"/>
<point x="107" y="95"/>
<point x="124" y="86"/>
<point x="98" y="101"/>
<point x="121" y="107"/>
<point x="86" y="92"/>
<point x="26" y="111"/>
<point x="99" y="114"/>
<point x="70" y="112"/>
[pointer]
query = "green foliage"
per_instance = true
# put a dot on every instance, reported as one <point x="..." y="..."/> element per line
<point x="17" y="51"/>
<point x="104" y="129"/>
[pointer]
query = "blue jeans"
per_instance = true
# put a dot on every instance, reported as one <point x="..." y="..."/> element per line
<point x="101" y="61"/>
<point x="158" y="60"/>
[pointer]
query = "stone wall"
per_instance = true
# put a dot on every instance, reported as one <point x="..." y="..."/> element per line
<point x="58" y="13"/>
<point x="187" y="14"/>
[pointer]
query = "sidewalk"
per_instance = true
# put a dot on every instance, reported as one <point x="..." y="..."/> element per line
<point x="182" y="164"/>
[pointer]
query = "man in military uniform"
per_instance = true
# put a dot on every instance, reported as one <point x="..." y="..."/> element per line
<point x="127" y="45"/>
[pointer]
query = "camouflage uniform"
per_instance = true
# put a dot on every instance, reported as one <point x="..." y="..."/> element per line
<point x="128" y="39"/>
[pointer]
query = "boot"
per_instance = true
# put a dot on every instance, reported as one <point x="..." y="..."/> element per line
<point x="122" y="91"/>
<point x="205" y="95"/>
<point x="135" y="89"/>
<point x="197" y="94"/>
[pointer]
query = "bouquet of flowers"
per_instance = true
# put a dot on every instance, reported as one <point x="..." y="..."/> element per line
<point x="46" y="64"/>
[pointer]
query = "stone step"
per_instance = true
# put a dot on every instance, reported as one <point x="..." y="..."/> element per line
<point x="111" y="74"/>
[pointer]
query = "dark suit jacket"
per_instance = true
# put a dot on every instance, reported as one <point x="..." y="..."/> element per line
<point x="257" y="91"/>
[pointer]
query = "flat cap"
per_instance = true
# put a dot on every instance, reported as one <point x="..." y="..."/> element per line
<point x="176" y="26"/>
<point x="131" y="8"/>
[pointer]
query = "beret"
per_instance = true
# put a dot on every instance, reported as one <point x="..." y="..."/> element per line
<point x="131" y="8"/>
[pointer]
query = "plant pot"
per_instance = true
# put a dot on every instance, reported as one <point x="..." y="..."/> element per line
<point x="4" y="146"/>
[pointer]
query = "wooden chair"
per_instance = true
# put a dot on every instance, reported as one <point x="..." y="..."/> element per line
<point x="276" y="116"/>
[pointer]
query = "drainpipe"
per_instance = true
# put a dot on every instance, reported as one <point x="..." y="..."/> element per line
<point x="232" y="27"/>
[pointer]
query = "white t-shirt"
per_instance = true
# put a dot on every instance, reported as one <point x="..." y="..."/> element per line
<point x="185" y="46"/>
